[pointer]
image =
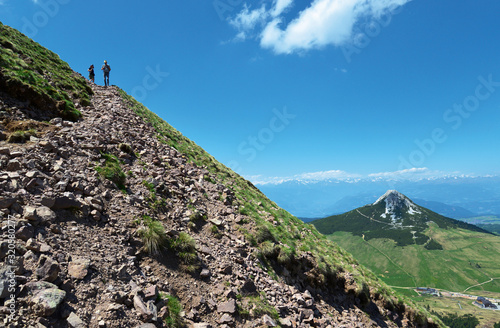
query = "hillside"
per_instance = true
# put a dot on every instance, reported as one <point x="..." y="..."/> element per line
<point x="409" y="246"/>
<point x="117" y="220"/>
<point x="393" y="216"/>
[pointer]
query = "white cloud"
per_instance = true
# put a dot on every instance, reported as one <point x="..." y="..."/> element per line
<point x="322" y="23"/>
<point x="247" y="19"/>
<point x="305" y="177"/>
<point x="280" y="6"/>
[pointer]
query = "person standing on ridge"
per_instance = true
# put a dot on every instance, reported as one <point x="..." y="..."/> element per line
<point x="91" y="73"/>
<point x="106" y="69"/>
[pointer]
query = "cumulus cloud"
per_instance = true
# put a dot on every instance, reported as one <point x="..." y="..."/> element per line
<point x="322" y="23"/>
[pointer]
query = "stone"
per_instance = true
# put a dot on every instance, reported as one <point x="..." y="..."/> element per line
<point x="226" y="318"/>
<point x="74" y="321"/>
<point x="46" y="214"/>
<point x="46" y="301"/>
<point x="48" y="201"/>
<point x="33" y="245"/>
<point x="79" y="268"/>
<point x="25" y="232"/>
<point x="248" y="288"/>
<point x="5" y="151"/>
<point x="142" y="309"/>
<point x="151" y="293"/>
<point x="13" y="165"/>
<point x="268" y="321"/>
<point x="201" y="325"/>
<point x="286" y="323"/>
<point x="48" y="270"/>
<point x="205" y="273"/>
<point x="216" y="222"/>
<point x="66" y="201"/>
<point x="29" y="213"/>
<point x="227" y="307"/>
<point x="35" y="286"/>
<point x="6" y="202"/>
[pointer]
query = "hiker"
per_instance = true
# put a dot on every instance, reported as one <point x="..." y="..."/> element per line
<point x="106" y="69"/>
<point x="91" y="73"/>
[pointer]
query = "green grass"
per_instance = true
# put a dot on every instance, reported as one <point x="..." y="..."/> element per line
<point x="467" y="258"/>
<point x="111" y="170"/>
<point x="152" y="234"/>
<point x="185" y="247"/>
<point x="31" y="72"/>
<point x="174" y="318"/>
<point x="21" y="136"/>
<point x="256" y="306"/>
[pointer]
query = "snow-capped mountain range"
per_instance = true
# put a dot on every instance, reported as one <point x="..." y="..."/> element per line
<point x="452" y="196"/>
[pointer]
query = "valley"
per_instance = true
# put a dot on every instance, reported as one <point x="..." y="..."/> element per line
<point x="467" y="264"/>
<point x="410" y="246"/>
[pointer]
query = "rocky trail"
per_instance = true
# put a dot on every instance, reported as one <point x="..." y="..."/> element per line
<point x="80" y="262"/>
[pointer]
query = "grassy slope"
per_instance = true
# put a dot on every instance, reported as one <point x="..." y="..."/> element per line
<point x="294" y="235"/>
<point x="467" y="258"/>
<point x="31" y="72"/>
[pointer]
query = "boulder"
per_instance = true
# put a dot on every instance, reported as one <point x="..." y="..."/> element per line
<point x="46" y="301"/>
<point x="25" y="232"/>
<point x="46" y="214"/>
<point x="66" y="201"/>
<point x="227" y="307"/>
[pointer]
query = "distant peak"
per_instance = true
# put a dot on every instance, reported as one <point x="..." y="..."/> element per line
<point x="391" y="195"/>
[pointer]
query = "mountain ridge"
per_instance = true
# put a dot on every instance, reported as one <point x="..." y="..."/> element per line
<point x="477" y="195"/>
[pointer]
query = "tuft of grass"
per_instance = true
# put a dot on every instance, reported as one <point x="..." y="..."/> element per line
<point x="257" y="306"/>
<point x="112" y="170"/>
<point x="153" y="235"/>
<point x="126" y="148"/>
<point x="215" y="231"/>
<point x="185" y="246"/>
<point x="21" y="136"/>
<point x="174" y="306"/>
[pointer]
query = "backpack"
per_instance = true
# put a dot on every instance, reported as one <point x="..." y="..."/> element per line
<point x="106" y="68"/>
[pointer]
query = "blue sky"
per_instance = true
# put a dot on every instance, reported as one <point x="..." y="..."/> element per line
<point x="299" y="89"/>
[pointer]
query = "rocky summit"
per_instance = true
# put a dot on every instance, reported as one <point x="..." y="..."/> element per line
<point x="109" y="222"/>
